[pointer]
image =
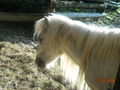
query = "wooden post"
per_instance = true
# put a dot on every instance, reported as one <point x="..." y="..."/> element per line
<point x="20" y="17"/>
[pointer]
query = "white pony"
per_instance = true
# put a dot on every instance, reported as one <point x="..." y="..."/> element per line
<point x="90" y="54"/>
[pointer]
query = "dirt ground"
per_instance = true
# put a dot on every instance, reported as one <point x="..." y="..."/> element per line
<point x="17" y="55"/>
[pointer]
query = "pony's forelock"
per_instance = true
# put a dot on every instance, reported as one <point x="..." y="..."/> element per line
<point x="38" y="27"/>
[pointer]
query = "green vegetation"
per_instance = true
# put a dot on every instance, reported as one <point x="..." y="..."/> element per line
<point x="110" y="18"/>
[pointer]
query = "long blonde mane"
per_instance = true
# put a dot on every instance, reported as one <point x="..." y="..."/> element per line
<point x="85" y="48"/>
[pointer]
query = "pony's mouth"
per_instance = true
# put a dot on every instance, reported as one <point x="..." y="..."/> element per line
<point x="40" y="63"/>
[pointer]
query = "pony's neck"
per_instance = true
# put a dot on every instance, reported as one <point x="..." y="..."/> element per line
<point x="72" y="40"/>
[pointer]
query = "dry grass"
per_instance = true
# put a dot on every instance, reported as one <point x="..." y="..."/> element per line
<point x="17" y="68"/>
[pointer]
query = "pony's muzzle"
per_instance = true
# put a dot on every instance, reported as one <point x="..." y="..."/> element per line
<point x="40" y="63"/>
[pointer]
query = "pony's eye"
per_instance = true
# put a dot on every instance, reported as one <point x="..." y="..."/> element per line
<point x="41" y="40"/>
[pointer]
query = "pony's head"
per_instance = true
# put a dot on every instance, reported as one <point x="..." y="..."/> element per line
<point x="46" y="31"/>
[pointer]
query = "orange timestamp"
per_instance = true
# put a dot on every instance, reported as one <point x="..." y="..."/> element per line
<point x="100" y="80"/>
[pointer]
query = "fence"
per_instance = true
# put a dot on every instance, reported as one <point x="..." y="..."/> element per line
<point x="23" y="11"/>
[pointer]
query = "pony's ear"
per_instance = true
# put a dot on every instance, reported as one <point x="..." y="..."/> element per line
<point x="47" y="21"/>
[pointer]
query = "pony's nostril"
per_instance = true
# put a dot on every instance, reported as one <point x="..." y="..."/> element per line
<point x="40" y="63"/>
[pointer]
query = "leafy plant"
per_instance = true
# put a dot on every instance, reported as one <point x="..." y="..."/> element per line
<point x="118" y="10"/>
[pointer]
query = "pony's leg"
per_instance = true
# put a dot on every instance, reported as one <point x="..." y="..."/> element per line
<point x="81" y="84"/>
<point x="91" y="85"/>
<point x="86" y="87"/>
